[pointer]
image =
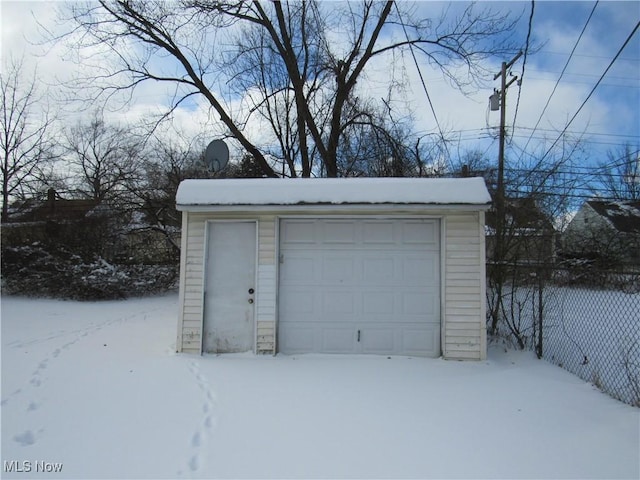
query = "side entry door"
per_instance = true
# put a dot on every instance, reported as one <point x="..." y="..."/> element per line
<point x="229" y="287"/>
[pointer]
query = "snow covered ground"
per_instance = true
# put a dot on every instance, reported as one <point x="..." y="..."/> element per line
<point x="594" y="334"/>
<point x="96" y="390"/>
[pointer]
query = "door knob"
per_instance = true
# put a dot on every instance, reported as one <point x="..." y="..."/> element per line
<point x="251" y="290"/>
<point x="251" y="300"/>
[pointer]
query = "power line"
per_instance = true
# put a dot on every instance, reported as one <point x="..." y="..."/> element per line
<point x="577" y="196"/>
<point x="593" y="75"/>
<point x="626" y="42"/>
<point x="424" y="85"/>
<point x="574" y="170"/>
<point x="562" y="73"/>
<point x="586" y="133"/>
<point x="488" y="136"/>
<point x="585" y="82"/>
<point x="524" y="60"/>
<point x="583" y="133"/>
<point x="590" y="180"/>
<point x="590" y="142"/>
<point x="615" y="163"/>
<point x="627" y="59"/>
<point x="569" y="171"/>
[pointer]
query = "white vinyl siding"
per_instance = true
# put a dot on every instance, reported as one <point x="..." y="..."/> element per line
<point x="267" y="286"/>
<point x="464" y="312"/>
<point x="191" y="282"/>
<point x="462" y="273"/>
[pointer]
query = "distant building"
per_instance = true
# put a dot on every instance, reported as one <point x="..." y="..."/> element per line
<point x="605" y="232"/>
<point x="127" y="234"/>
<point x="53" y="208"/>
<point x="530" y="238"/>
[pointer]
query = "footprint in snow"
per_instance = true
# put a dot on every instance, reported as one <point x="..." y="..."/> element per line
<point x="198" y="439"/>
<point x="25" y="439"/>
<point x="194" y="463"/>
<point x="208" y="422"/>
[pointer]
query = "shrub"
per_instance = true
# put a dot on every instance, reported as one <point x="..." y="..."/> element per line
<point x="55" y="271"/>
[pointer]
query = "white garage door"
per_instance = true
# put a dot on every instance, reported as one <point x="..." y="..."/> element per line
<point x="359" y="286"/>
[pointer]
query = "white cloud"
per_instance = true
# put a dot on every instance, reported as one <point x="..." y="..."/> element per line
<point x="610" y="110"/>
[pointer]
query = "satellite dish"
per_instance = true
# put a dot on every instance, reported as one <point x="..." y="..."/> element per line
<point x="217" y="155"/>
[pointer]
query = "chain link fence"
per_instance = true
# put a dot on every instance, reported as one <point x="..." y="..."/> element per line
<point x="586" y="322"/>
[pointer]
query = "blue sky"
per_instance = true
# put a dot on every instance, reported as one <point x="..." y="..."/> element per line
<point x="609" y="119"/>
<point x="557" y="26"/>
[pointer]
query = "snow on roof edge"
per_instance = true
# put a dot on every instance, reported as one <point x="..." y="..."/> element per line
<point x="332" y="191"/>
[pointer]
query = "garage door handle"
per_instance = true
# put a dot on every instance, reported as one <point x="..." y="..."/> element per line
<point x="358" y="335"/>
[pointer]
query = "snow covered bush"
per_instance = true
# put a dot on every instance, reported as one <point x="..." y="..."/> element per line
<point x="55" y="271"/>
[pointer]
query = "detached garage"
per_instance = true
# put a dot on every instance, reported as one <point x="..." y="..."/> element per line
<point x="391" y="266"/>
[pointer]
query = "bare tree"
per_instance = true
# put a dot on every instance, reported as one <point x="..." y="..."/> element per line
<point x="105" y="159"/>
<point x="618" y="178"/>
<point x="25" y="126"/>
<point x="378" y="146"/>
<point x="166" y="165"/>
<point x="282" y="59"/>
<point x="538" y="196"/>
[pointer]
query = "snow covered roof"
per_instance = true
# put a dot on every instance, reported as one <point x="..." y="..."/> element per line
<point x="623" y="216"/>
<point x="332" y="191"/>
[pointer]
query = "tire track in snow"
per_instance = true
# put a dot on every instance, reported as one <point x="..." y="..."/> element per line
<point x="201" y="434"/>
<point x="28" y="437"/>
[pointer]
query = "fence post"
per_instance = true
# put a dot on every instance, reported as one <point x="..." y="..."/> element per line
<point x="540" y="317"/>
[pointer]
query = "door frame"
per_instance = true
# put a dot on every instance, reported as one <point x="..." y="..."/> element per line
<point x="205" y="276"/>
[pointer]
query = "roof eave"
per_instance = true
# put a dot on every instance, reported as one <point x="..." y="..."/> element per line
<point x="324" y="207"/>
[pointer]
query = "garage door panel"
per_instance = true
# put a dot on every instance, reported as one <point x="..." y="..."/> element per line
<point x="376" y="277"/>
<point x="300" y="269"/>
<point x="380" y="341"/>
<point x="419" y="233"/>
<point x="337" y="340"/>
<point x="338" y="302"/>
<point x="300" y="232"/>
<point x="420" y="270"/>
<point x="341" y="232"/>
<point x="378" y="233"/>
<point x="298" y="303"/>
<point x="419" y="340"/>
<point x="419" y="303"/>
<point x="338" y="269"/>
<point x="296" y="339"/>
<point x="378" y="302"/>
<point x="379" y="270"/>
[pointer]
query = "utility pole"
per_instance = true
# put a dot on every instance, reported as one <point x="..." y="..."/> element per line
<point x="501" y="97"/>
<point x="503" y="116"/>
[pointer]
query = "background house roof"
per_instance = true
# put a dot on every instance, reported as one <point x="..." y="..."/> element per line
<point x="286" y="191"/>
<point x="57" y="209"/>
<point x="623" y="216"/>
<point x="522" y="214"/>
